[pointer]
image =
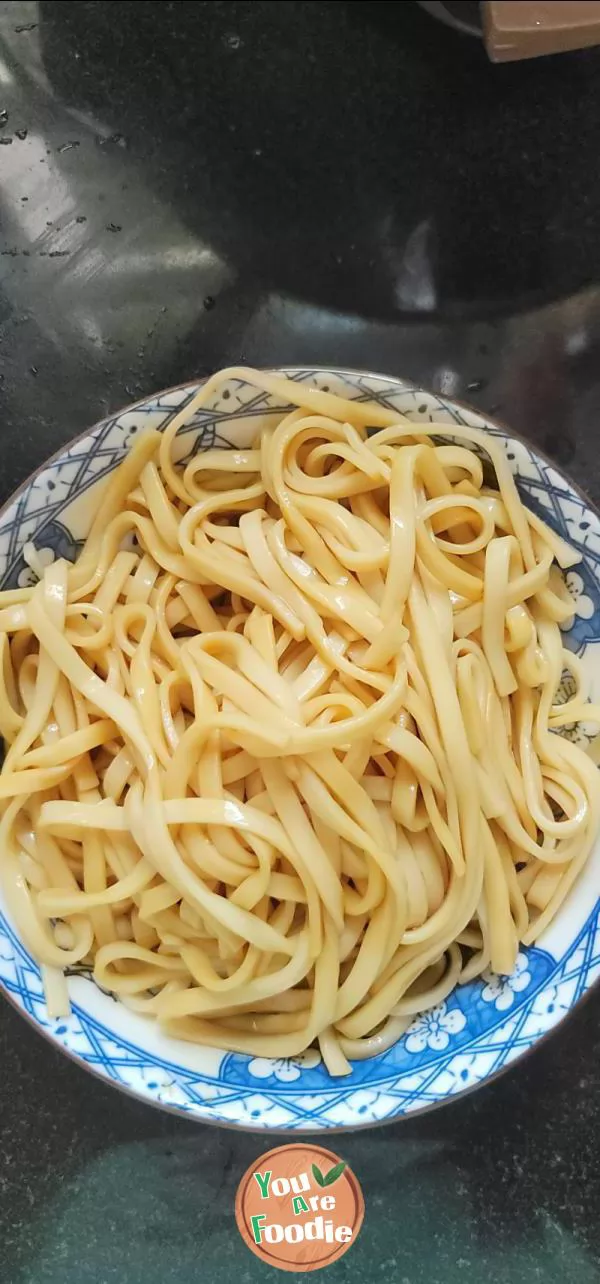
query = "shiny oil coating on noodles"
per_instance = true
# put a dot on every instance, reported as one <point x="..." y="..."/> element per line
<point x="283" y="768"/>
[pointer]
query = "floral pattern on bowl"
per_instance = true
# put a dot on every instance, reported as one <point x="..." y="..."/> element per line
<point x="434" y="1029"/>
<point x="502" y="991"/>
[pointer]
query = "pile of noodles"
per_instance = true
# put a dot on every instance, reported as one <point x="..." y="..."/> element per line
<point x="283" y="767"/>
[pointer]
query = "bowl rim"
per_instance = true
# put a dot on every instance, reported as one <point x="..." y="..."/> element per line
<point x="541" y="1040"/>
<point x="409" y="386"/>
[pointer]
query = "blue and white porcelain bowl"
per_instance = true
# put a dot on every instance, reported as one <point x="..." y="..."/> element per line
<point x="483" y="1027"/>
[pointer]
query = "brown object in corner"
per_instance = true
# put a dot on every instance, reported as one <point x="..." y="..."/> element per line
<point x="514" y="29"/>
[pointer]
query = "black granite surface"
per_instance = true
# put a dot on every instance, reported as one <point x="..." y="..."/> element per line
<point x="187" y="185"/>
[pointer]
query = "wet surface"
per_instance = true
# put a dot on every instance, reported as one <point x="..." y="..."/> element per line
<point x="184" y="186"/>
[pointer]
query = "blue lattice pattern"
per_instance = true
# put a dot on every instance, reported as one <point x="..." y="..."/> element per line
<point x="296" y="1095"/>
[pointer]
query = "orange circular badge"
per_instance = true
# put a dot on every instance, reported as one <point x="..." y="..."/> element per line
<point x="299" y="1207"/>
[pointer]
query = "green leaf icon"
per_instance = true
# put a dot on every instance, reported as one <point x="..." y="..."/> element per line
<point x="334" y="1173"/>
<point x="318" y="1176"/>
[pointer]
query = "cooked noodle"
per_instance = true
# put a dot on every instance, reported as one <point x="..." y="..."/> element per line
<point x="282" y="768"/>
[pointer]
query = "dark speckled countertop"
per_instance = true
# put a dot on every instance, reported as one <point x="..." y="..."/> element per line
<point x="187" y="185"/>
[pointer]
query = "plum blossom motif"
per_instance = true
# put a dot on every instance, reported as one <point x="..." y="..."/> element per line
<point x="584" y="607"/>
<point x="502" y="990"/>
<point x="434" y="1029"/>
<point x="579" y="733"/>
<point x="286" y="1069"/>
